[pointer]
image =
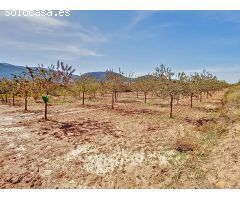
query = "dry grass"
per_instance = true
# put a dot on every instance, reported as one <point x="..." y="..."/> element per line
<point x="233" y="95"/>
<point x="185" y="144"/>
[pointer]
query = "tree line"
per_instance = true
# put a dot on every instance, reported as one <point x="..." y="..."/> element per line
<point x="40" y="83"/>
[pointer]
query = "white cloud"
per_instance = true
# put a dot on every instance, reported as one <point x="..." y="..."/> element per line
<point x="143" y="33"/>
<point x="47" y="26"/>
<point x="56" y="49"/>
<point x="86" y="38"/>
<point x="46" y="21"/>
<point x="140" y="16"/>
<point x="49" y="37"/>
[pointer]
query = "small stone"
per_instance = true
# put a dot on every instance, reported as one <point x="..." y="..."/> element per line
<point x="220" y="184"/>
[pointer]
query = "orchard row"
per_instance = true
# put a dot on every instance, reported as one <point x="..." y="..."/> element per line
<point x="40" y="82"/>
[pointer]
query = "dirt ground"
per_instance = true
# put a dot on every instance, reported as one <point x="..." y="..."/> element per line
<point x="136" y="145"/>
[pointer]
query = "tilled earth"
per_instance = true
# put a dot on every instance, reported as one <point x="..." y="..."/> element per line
<point x="92" y="146"/>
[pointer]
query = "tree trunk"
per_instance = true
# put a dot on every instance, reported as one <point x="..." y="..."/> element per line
<point x="145" y="97"/>
<point x="113" y="100"/>
<point x="6" y="97"/>
<point x="137" y="94"/>
<point x="171" y="107"/>
<point x="26" y="102"/>
<point x="94" y="94"/>
<point x="13" y="97"/>
<point x="83" y="97"/>
<point x="200" y="97"/>
<point x="45" y="113"/>
<point x="115" y="96"/>
<point x="191" y="100"/>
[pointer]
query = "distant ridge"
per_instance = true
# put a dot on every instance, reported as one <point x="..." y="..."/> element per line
<point x="7" y="70"/>
<point x="99" y="76"/>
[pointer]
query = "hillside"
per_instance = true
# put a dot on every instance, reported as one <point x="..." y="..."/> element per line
<point x="7" y="70"/>
<point x="101" y="76"/>
<point x="97" y="75"/>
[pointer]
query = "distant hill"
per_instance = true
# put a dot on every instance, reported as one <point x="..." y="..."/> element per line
<point x="7" y="70"/>
<point x="99" y="76"/>
<point x="144" y="77"/>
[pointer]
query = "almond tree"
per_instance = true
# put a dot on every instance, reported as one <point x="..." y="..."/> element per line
<point x="60" y="76"/>
<point x="93" y="87"/>
<point x="209" y="81"/>
<point x="42" y="84"/>
<point x="166" y="85"/>
<point x="115" y="82"/>
<point x="46" y="80"/>
<point x="103" y="88"/>
<point x="5" y="88"/>
<point x="182" y="85"/>
<point x="1" y="89"/>
<point x="171" y="88"/>
<point x="193" y="87"/>
<point x="83" y="85"/>
<point x="129" y="82"/>
<point x="13" y="89"/>
<point x="24" y="88"/>
<point x="146" y="85"/>
<point x="161" y="80"/>
<point x="202" y="85"/>
<point x="136" y="86"/>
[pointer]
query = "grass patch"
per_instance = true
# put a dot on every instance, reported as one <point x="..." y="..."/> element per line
<point x="232" y="96"/>
<point x="211" y="133"/>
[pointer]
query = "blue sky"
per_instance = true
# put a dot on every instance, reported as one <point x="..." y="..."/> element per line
<point x="135" y="41"/>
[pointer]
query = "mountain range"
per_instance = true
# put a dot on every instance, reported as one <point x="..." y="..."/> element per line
<point x="8" y="70"/>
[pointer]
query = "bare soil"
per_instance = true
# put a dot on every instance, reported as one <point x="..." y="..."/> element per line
<point x="136" y="145"/>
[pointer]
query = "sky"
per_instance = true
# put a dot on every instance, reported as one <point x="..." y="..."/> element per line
<point x="135" y="41"/>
